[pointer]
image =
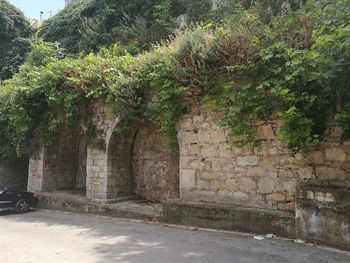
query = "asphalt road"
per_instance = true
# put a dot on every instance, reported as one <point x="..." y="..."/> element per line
<point x="49" y="237"/>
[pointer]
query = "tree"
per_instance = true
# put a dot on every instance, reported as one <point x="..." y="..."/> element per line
<point x="88" y="25"/>
<point x="15" y="35"/>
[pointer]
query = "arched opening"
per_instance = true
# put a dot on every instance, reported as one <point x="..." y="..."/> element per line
<point x="61" y="166"/>
<point x="120" y="181"/>
<point x="66" y="162"/>
<point x="155" y="167"/>
<point x="141" y="164"/>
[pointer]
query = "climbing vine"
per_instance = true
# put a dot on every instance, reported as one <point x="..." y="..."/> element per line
<point x="294" y="65"/>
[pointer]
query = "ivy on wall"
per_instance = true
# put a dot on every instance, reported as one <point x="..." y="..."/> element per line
<point x="251" y="66"/>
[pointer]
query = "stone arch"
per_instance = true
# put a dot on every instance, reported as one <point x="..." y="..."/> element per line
<point x="155" y="167"/>
<point x="61" y="166"/>
<point x="120" y="181"/>
<point x="140" y="163"/>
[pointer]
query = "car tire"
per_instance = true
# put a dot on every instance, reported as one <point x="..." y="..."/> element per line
<point x="22" y="205"/>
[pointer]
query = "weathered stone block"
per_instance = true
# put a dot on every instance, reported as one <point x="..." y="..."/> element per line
<point x="246" y="185"/>
<point x="327" y="173"/>
<point x="217" y="136"/>
<point x="278" y="197"/>
<point x="188" y="150"/>
<point x="224" y="150"/>
<point x="273" y="151"/>
<point x="228" y="168"/>
<point x="268" y="162"/>
<point x="240" y="196"/>
<point x="198" y="118"/>
<point x="100" y="163"/>
<point x="335" y="154"/>
<point x="95" y="151"/>
<point x="265" y="132"/>
<point x="207" y="175"/>
<point x="203" y="184"/>
<point x="210" y="151"/>
<point x="186" y="123"/>
<point x="102" y="175"/>
<point x="346" y="167"/>
<point x="324" y="197"/>
<point x="266" y="185"/>
<point x="256" y="171"/>
<point x="316" y="157"/>
<point x="95" y="168"/>
<point x="197" y="165"/>
<point x="204" y="137"/>
<point x="249" y="160"/>
<point x="286" y="173"/>
<point x="188" y="179"/>
<point x="231" y="185"/>
<point x="185" y="162"/>
<point x="289" y="186"/>
<point x="306" y="172"/>
<point x="310" y="195"/>
<point x="289" y="206"/>
<point x="239" y="172"/>
<point x="189" y="137"/>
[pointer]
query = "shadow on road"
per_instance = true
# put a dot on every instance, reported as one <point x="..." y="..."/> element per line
<point x="9" y="212"/>
<point x="124" y="241"/>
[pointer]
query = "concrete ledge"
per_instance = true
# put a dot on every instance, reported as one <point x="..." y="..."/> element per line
<point x="260" y="221"/>
<point x="116" y="200"/>
<point x="323" y="215"/>
<point x="80" y="204"/>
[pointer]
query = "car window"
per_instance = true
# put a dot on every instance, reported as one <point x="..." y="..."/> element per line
<point x="2" y="187"/>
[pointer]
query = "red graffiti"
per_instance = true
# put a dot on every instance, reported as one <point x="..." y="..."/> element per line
<point x="49" y="164"/>
<point x="36" y="176"/>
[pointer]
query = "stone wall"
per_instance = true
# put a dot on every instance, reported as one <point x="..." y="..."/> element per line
<point x="265" y="176"/>
<point x="207" y="169"/>
<point x="14" y="173"/>
<point x="60" y="166"/>
<point x="209" y="182"/>
<point x="135" y="162"/>
<point x="120" y="177"/>
<point x="155" y="168"/>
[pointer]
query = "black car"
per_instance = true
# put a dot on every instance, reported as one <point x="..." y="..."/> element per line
<point x="21" y="201"/>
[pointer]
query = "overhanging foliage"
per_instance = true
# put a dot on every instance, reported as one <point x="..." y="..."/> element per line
<point x="251" y="64"/>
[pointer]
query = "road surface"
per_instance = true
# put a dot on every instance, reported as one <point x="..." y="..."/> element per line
<point x="52" y="237"/>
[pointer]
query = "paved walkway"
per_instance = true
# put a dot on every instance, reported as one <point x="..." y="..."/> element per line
<point x="49" y="237"/>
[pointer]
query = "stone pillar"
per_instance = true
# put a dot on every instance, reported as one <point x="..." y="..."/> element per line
<point x="109" y="174"/>
<point x="96" y="165"/>
<point x="108" y="164"/>
<point x="96" y="181"/>
<point x="36" y="169"/>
